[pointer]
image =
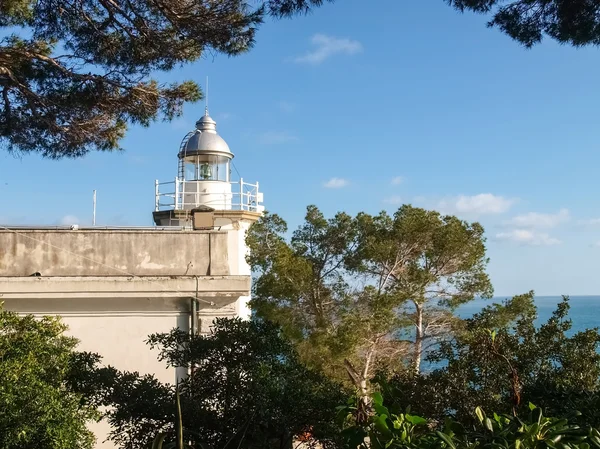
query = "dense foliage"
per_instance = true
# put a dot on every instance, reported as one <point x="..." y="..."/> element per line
<point x="246" y="384"/>
<point x="574" y="22"/>
<point x="38" y="409"/>
<point x="356" y="294"/>
<point x="500" y="360"/>
<point x="74" y="73"/>
<point x="530" y="430"/>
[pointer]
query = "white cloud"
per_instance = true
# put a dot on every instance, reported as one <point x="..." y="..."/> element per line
<point x="394" y="199"/>
<point x="69" y="220"/>
<point x="482" y="204"/>
<point x="536" y="220"/>
<point x="327" y="46"/>
<point x="336" y="183"/>
<point x="276" y="138"/>
<point x="590" y="222"/>
<point x="528" y="237"/>
<point x="527" y="226"/>
<point x="396" y="181"/>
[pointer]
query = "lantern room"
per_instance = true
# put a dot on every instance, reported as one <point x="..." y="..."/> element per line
<point x="204" y="155"/>
<point x="204" y="167"/>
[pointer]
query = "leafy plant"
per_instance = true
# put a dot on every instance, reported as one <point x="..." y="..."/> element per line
<point x="535" y="431"/>
<point x="39" y="404"/>
<point x="383" y="429"/>
<point x="532" y="430"/>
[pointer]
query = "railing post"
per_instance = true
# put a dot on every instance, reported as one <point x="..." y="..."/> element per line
<point x="241" y="193"/>
<point x="176" y="193"/>
<point x="256" y="205"/>
<point x="94" y="211"/>
<point x="182" y="192"/>
<point x="156" y="196"/>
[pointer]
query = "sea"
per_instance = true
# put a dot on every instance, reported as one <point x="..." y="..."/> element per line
<point x="584" y="312"/>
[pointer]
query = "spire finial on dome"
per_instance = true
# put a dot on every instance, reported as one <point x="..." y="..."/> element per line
<point x="206" y="123"/>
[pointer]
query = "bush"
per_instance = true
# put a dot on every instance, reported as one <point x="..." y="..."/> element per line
<point x="532" y="430"/>
<point x="245" y="383"/>
<point x="39" y="408"/>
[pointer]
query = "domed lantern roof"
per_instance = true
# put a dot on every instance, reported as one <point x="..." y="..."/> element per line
<point x="204" y="141"/>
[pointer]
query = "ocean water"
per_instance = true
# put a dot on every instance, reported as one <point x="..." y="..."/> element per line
<point x="584" y="312"/>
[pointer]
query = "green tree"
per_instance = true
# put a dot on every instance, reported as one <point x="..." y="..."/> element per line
<point x="336" y="323"/>
<point x="38" y="407"/>
<point x="527" y="21"/>
<point x="245" y="382"/>
<point x="430" y="263"/>
<point x="74" y="73"/>
<point x="342" y="288"/>
<point x="301" y="285"/>
<point x="501" y="360"/>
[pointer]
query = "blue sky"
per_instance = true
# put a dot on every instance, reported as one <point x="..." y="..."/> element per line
<point x="353" y="108"/>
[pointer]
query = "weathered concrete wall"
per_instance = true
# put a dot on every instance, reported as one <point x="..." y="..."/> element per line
<point x="109" y="252"/>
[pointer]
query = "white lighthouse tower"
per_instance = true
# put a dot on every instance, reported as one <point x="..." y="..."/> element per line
<point x="203" y="197"/>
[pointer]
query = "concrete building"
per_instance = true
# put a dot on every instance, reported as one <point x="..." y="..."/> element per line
<point x="114" y="286"/>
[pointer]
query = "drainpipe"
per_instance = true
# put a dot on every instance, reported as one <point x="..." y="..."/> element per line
<point x="194" y="311"/>
<point x="194" y="317"/>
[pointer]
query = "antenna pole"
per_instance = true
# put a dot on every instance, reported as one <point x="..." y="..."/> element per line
<point x="94" y="213"/>
<point x="206" y="98"/>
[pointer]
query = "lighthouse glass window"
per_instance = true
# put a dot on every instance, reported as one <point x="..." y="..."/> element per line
<point x="208" y="168"/>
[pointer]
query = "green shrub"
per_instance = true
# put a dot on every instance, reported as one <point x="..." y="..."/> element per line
<point x="533" y="430"/>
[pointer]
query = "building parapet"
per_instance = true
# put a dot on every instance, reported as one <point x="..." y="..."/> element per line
<point x="113" y="252"/>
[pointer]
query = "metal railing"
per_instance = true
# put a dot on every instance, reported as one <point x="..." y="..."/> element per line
<point x="173" y="195"/>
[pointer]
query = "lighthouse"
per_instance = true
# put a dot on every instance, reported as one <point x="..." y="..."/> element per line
<point x="204" y="197"/>
<point x="203" y="188"/>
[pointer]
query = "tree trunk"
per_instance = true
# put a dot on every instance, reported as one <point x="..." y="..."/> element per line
<point x="418" y="338"/>
<point x="364" y="389"/>
<point x="361" y="380"/>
